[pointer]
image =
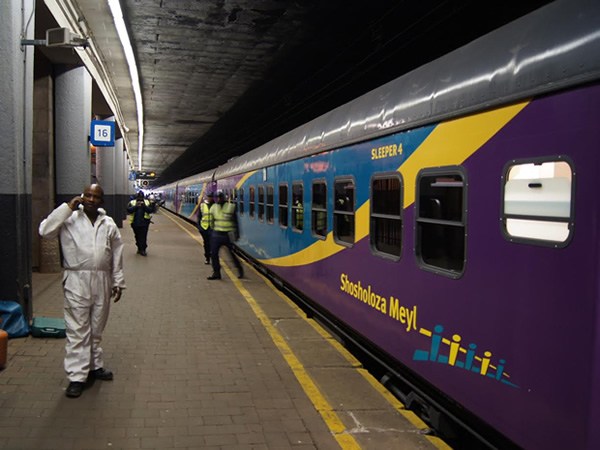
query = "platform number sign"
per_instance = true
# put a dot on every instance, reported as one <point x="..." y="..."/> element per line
<point x="102" y="133"/>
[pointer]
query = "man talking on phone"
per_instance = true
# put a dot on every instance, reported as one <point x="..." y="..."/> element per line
<point x="92" y="253"/>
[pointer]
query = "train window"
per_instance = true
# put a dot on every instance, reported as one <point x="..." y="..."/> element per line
<point x="319" y="209"/>
<point x="386" y="214"/>
<point x="343" y="211"/>
<point x="441" y="220"/>
<point x="261" y="203"/>
<point x="537" y="204"/>
<point x="283" y="205"/>
<point x="251" y="202"/>
<point x="297" y="206"/>
<point x="241" y="200"/>
<point x="269" y="204"/>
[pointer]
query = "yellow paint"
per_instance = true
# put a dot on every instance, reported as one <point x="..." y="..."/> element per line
<point x="244" y="178"/>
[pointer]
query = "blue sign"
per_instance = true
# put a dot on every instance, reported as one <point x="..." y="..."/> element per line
<point x="102" y="133"/>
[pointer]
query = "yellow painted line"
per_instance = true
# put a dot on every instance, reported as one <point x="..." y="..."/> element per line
<point x="334" y="423"/>
<point x="415" y="420"/>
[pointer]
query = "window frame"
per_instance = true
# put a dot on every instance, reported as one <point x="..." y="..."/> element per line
<point x="504" y="217"/>
<point x="269" y="207"/>
<point x="314" y="211"/>
<point x="341" y="214"/>
<point x="283" y="208"/>
<point x="294" y="208"/>
<point x="388" y="217"/>
<point x="251" y="201"/>
<point x="241" y="201"/>
<point x="261" y="202"/>
<point x="448" y="225"/>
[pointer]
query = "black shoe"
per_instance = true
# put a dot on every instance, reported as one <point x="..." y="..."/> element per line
<point x="207" y="261"/>
<point x="240" y="273"/>
<point x="74" y="389"/>
<point x="143" y="253"/>
<point x="214" y="276"/>
<point x="101" y="374"/>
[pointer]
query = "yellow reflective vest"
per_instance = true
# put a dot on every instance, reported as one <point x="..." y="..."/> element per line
<point x="206" y="215"/>
<point x="223" y="217"/>
<point x="147" y="215"/>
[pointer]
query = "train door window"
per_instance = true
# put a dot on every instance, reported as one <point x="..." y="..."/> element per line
<point x="269" y="204"/>
<point x="297" y="206"/>
<point x="386" y="215"/>
<point x="441" y="220"/>
<point x="241" y="200"/>
<point x="319" y="209"/>
<point x="343" y="211"/>
<point x="537" y="204"/>
<point x="283" y="205"/>
<point x="251" y="202"/>
<point x="261" y="203"/>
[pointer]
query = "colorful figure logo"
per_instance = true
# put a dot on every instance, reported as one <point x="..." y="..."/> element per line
<point x="450" y="352"/>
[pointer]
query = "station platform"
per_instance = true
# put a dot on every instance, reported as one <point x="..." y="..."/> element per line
<point x="198" y="364"/>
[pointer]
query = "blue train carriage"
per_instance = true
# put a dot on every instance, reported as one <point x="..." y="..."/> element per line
<point x="450" y="219"/>
<point x="188" y="193"/>
<point x="169" y="196"/>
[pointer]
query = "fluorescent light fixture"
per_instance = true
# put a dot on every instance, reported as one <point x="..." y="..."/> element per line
<point x="117" y="13"/>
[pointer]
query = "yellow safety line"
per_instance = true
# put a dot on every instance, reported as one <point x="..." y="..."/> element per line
<point x="387" y="395"/>
<point x="334" y="423"/>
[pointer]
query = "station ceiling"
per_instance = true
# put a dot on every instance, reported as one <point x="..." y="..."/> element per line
<point x="221" y="77"/>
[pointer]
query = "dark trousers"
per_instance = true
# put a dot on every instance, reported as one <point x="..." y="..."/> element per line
<point x="206" y="239"/>
<point x="219" y="239"/>
<point x="141" y="236"/>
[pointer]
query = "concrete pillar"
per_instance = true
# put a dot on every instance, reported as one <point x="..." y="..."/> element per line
<point x="73" y="116"/>
<point x="45" y="252"/>
<point x="16" y="112"/>
<point x="119" y="182"/>
<point x="105" y="173"/>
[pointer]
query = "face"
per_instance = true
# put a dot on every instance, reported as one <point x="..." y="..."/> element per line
<point x="93" y="198"/>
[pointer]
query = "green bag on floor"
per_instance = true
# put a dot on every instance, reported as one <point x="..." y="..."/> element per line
<point x="48" y="327"/>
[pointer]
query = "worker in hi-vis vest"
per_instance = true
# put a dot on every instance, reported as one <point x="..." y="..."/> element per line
<point x="224" y="230"/>
<point x="204" y="224"/>
<point x="139" y="210"/>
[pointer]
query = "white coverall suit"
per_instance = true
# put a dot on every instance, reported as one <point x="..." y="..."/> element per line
<point x="93" y="265"/>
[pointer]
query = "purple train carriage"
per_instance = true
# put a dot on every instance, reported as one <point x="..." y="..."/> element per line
<point x="449" y="223"/>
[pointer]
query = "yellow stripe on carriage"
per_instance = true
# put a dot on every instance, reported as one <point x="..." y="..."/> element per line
<point x="450" y="143"/>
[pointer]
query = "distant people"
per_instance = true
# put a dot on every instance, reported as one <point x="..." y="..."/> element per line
<point x="152" y="200"/>
<point x="140" y="211"/>
<point x="299" y="214"/>
<point x="204" y="217"/>
<point x="224" y="225"/>
<point x="92" y="253"/>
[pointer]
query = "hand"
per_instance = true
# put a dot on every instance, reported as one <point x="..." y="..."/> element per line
<point x="75" y="202"/>
<point x="116" y="293"/>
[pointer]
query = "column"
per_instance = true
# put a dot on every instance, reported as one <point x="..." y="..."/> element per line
<point x="16" y="112"/>
<point x="105" y="172"/>
<point x="73" y="115"/>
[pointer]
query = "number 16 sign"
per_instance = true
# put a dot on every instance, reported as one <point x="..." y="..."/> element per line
<point x="102" y="133"/>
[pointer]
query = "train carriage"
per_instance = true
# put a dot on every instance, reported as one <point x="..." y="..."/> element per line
<point x="449" y="221"/>
<point x="183" y="196"/>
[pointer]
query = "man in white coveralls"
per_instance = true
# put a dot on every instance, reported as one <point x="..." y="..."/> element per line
<point x="92" y="253"/>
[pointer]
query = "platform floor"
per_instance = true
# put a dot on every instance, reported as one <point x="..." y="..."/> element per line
<point x="198" y="364"/>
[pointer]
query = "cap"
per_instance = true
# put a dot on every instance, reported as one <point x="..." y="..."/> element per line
<point x="210" y="194"/>
<point x="220" y="193"/>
